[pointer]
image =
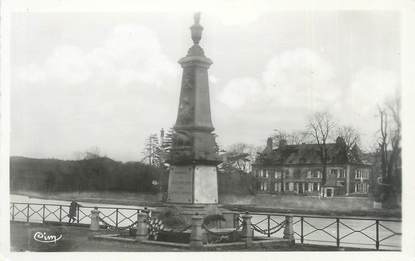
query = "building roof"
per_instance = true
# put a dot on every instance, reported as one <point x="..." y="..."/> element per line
<point x="308" y="154"/>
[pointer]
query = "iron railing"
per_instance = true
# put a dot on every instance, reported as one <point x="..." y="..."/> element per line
<point x="40" y="213"/>
<point x="359" y="232"/>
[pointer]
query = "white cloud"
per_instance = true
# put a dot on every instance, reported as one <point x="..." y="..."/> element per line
<point x="131" y="54"/>
<point x="239" y="92"/>
<point x="88" y="95"/>
<point x="297" y="78"/>
<point x="300" y="77"/>
<point x="371" y="87"/>
<point x="298" y="82"/>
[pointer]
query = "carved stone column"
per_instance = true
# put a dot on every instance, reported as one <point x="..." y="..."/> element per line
<point x="142" y="227"/>
<point x="196" y="237"/>
<point x="289" y="228"/>
<point x="247" y="232"/>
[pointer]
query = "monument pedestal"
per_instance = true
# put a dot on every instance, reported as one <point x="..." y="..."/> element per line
<point x="204" y="210"/>
<point x="193" y="184"/>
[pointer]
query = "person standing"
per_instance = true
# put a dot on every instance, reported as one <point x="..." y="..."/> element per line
<point x="72" y="211"/>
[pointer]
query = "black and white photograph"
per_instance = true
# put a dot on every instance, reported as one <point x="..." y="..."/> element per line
<point x="227" y="127"/>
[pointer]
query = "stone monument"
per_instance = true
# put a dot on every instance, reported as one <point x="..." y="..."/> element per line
<point x="193" y="157"/>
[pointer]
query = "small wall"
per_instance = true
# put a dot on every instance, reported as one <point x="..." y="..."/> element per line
<point x="300" y="202"/>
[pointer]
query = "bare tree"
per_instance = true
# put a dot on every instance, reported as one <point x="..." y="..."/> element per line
<point x="240" y="156"/>
<point x="293" y="137"/>
<point x="390" y="147"/>
<point x="92" y="153"/>
<point x="320" y="127"/>
<point x="351" y="138"/>
<point x="152" y="151"/>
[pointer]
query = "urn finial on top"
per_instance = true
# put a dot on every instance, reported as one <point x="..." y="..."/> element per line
<point x="196" y="29"/>
<point x="197" y="17"/>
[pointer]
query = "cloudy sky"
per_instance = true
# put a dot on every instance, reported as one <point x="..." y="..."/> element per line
<point x="82" y="80"/>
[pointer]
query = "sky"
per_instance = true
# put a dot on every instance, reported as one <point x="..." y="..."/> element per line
<point x="109" y="80"/>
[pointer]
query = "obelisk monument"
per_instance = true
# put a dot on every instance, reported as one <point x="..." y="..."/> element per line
<point x="193" y="156"/>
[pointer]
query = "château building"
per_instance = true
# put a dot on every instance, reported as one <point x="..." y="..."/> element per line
<point x="298" y="169"/>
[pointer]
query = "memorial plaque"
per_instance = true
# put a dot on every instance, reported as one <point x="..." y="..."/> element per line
<point x="180" y="184"/>
<point x="205" y="185"/>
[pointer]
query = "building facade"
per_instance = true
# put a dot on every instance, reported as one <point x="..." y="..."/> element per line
<point x="298" y="169"/>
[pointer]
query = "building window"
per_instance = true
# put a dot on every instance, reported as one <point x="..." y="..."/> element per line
<point x="361" y="174"/>
<point x="341" y="174"/>
<point x="361" y="187"/>
<point x="291" y="186"/>
<point x="315" y="186"/>
<point x="288" y="173"/>
<point x="309" y="174"/>
<point x="317" y="174"/>
<point x="277" y="186"/>
<point x="310" y="187"/>
<point x="333" y="172"/>
<point x="264" y="186"/>
<point x="278" y="174"/>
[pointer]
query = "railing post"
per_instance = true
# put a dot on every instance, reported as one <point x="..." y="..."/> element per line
<point x="338" y="232"/>
<point x="116" y="217"/>
<point x="43" y="214"/>
<point x="302" y="230"/>
<point x="247" y="232"/>
<point x="196" y="237"/>
<point x="377" y="234"/>
<point x="142" y="231"/>
<point x="27" y="217"/>
<point x="77" y="214"/>
<point x="13" y="212"/>
<point x="235" y="220"/>
<point x="269" y="226"/>
<point x="94" y="226"/>
<point x="289" y="229"/>
<point x="60" y="213"/>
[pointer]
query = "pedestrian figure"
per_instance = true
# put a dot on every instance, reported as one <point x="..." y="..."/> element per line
<point x="72" y="211"/>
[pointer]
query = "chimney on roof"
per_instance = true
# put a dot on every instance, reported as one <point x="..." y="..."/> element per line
<point x="269" y="144"/>
<point x="268" y="148"/>
<point x="340" y="140"/>
<point x="282" y="143"/>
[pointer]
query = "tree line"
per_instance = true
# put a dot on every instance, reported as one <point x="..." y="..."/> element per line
<point x="93" y="173"/>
